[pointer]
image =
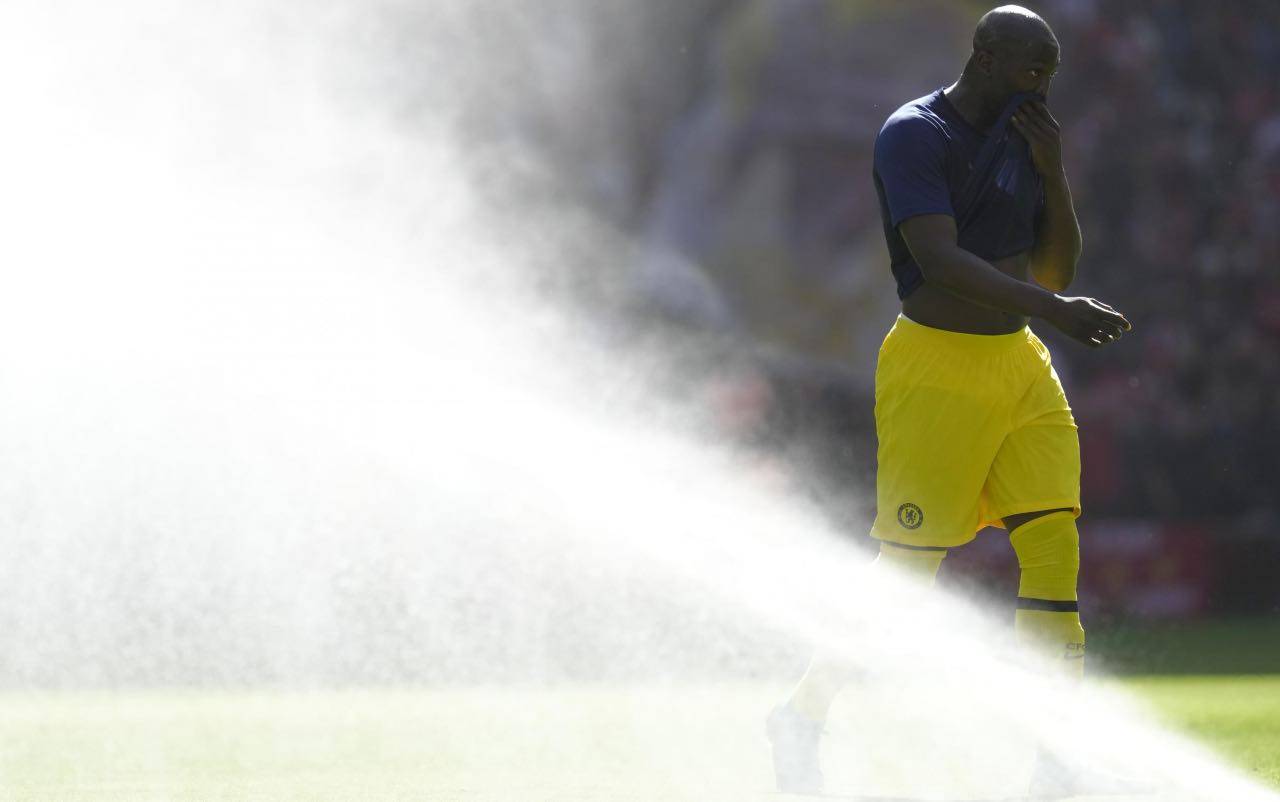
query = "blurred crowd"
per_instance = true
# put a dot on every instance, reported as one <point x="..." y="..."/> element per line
<point x="760" y="221"/>
<point x="1171" y="111"/>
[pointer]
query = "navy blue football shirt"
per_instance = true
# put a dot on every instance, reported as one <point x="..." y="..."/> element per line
<point x="930" y="160"/>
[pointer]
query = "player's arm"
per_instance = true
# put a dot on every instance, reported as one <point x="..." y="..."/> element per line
<point x="1057" y="249"/>
<point x="910" y="163"/>
<point x="932" y="239"/>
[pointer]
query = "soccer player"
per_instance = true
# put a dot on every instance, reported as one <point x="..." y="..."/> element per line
<point x="973" y="425"/>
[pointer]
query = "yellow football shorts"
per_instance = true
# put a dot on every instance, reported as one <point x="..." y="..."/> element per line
<point x="972" y="428"/>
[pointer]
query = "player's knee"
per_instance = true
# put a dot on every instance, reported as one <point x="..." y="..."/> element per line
<point x="1048" y="550"/>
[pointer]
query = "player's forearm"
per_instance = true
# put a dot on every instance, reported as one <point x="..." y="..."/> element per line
<point x="1058" y="241"/>
<point x="963" y="274"/>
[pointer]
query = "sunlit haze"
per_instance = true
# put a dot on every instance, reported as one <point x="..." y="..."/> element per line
<point x="292" y="398"/>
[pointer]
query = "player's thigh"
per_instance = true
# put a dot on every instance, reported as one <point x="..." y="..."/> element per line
<point x="936" y="447"/>
<point x="1037" y="468"/>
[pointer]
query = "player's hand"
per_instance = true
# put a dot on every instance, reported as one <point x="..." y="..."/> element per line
<point x="1087" y="321"/>
<point x="1041" y="130"/>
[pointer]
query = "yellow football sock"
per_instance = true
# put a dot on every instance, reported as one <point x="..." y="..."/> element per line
<point x="826" y="675"/>
<point x="917" y="561"/>
<point x="1048" y="616"/>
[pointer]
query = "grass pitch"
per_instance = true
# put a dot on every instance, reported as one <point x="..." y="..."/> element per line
<point x="407" y="745"/>
<point x="1238" y="716"/>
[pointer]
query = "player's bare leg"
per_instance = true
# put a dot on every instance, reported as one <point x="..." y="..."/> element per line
<point x="795" y="728"/>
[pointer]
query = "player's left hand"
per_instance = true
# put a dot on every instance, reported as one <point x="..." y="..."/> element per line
<point x="1037" y="126"/>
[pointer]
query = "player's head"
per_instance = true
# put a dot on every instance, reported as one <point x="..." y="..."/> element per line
<point x="1014" y="51"/>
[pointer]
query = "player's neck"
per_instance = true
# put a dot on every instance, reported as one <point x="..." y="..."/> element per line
<point x="977" y="109"/>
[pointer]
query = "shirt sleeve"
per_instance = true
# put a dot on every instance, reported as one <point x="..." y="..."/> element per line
<point x="910" y="159"/>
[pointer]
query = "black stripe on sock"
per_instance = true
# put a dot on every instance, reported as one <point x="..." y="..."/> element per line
<point x="915" y="548"/>
<point x="1048" y="605"/>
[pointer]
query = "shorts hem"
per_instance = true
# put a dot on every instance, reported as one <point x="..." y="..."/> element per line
<point x="996" y="518"/>
<point x="896" y="539"/>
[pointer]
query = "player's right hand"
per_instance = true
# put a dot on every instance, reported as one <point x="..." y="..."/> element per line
<point x="1087" y="320"/>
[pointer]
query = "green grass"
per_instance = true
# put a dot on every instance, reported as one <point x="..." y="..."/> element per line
<point x="1232" y="647"/>
<point x="477" y="744"/>
<point x="1238" y="716"/>
<point x="1217" y="680"/>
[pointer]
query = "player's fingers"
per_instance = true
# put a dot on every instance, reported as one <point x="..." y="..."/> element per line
<point x="1042" y="111"/>
<point x="1034" y="112"/>
<point x="1035" y="127"/>
<point x="1112" y="332"/>
<point x="1084" y="334"/>
<point x="1098" y="325"/>
<point x="1110" y="315"/>
<point x="1118" y="320"/>
<point x="1026" y="128"/>
<point x="1101" y="337"/>
<point x="1109" y="308"/>
<point x="1097" y="332"/>
<point x="1121" y="321"/>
